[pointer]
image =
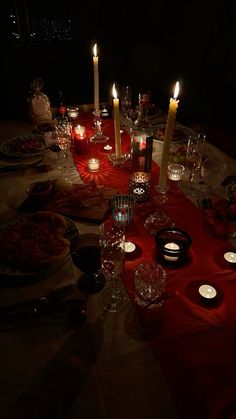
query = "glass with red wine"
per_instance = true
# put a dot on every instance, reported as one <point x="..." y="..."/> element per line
<point x="86" y="255"/>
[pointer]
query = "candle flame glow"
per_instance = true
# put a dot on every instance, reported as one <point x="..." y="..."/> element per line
<point x="114" y="91"/>
<point x="176" y="91"/>
<point x="95" y="50"/>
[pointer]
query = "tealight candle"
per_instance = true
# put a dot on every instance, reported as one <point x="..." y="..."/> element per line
<point x="171" y="246"/>
<point x="129" y="247"/>
<point x="93" y="164"/>
<point x="230" y="257"/>
<point x="175" y="171"/>
<point x="73" y="112"/>
<point x="79" y="130"/>
<point x="108" y="147"/>
<point x="207" y="291"/>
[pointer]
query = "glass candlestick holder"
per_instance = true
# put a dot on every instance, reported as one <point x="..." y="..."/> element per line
<point x="98" y="137"/>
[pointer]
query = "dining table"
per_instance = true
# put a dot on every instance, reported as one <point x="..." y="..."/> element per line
<point x="170" y="361"/>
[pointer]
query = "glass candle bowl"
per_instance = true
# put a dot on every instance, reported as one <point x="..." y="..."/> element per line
<point x="172" y="246"/>
<point x="175" y="171"/>
<point x="93" y="164"/>
<point x="139" y="185"/>
<point x="72" y="112"/>
<point x="150" y="282"/>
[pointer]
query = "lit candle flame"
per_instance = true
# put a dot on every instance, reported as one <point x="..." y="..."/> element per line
<point x="114" y="91"/>
<point x="176" y="92"/>
<point x="95" y="50"/>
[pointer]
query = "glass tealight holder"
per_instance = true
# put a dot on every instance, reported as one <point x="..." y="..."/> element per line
<point x="123" y="209"/>
<point x="175" y="171"/>
<point x="72" y="112"/>
<point x="172" y="246"/>
<point x="93" y="164"/>
<point x="139" y="186"/>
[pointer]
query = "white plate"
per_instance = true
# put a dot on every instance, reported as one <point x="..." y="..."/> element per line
<point x="183" y="137"/>
<point x="8" y="273"/>
<point x="24" y="146"/>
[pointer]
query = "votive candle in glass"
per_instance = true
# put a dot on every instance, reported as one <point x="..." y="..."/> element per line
<point x="73" y="112"/>
<point x="93" y="164"/>
<point x="139" y="185"/>
<point x="175" y="171"/>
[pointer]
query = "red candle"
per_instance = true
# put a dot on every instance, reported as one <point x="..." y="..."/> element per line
<point x="81" y="144"/>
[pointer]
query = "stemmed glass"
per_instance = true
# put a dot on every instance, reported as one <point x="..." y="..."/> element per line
<point x="112" y="247"/>
<point x="63" y="134"/>
<point x="193" y="159"/>
<point x="86" y="255"/>
<point x="194" y="154"/>
<point x="98" y="137"/>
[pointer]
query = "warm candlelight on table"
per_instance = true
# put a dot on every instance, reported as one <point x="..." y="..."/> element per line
<point x="175" y="171"/>
<point x="168" y="137"/>
<point x="107" y="147"/>
<point x="73" y="112"/>
<point x="169" y="255"/>
<point x="207" y="291"/>
<point x="129" y="247"/>
<point x="116" y="122"/>
<point x="139" y="185"/>
<point x="93" y="164"/>
<point x="230" y="257"/>
<point x="79" y="130"/>
<point x="96" y="79"/>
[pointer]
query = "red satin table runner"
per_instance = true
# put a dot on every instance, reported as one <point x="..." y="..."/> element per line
<point x="195" y="342"/>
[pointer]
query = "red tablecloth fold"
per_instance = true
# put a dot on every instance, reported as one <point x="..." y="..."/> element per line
<point x="195" y="342"/>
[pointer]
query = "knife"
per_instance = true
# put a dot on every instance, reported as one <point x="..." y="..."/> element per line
<point x="54" y="295"/>
<point x="73" y="312"/>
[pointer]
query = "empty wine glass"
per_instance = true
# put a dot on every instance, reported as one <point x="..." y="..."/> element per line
<point x="126" y="101"/>
<point x="63" y="134"/>
<point x="194" y="153"/>
<point x="112" y="247"/>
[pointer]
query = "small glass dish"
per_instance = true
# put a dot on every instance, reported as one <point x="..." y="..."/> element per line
<point x="40" y="191"/>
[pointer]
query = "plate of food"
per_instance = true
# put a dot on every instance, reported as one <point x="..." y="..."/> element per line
<point x="45" y="126"/>
<point x="83" y="201"/>
<point x="180" y="133"/>
<point x="24" y="146"/>
<point x="35" y="244"/>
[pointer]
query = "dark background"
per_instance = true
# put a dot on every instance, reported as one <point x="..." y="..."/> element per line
<point x="148" y="46"/>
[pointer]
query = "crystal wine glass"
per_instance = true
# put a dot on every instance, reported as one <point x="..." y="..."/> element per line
<point x="63" y="133"/>
<point x="112" y="246"/>
<point x="194" y="153"/>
